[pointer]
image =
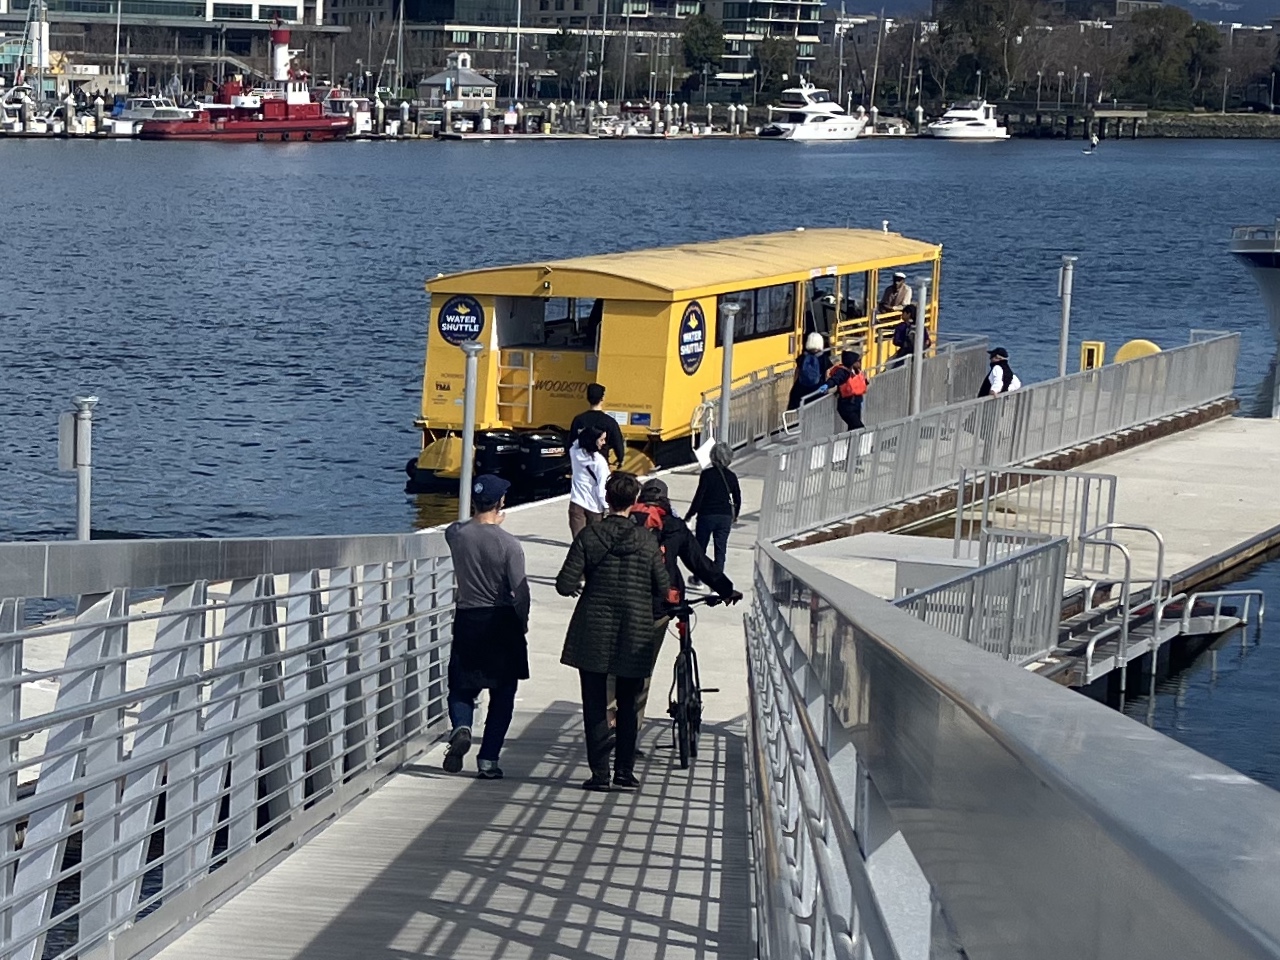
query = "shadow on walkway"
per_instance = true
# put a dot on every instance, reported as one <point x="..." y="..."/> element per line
<point x="438" y="865"/>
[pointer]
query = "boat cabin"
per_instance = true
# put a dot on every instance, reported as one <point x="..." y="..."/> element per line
<point x="646" y="324"/>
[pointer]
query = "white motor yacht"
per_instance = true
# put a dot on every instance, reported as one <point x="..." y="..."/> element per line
<point x="807" y="112"/>
<point x="975" y="120"/>
<point x="126" y="120"/>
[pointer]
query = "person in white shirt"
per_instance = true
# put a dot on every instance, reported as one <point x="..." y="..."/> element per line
<point x="1001" y="378"/>
<point x="590" y="473"/>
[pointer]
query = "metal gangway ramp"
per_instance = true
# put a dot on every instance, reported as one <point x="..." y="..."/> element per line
<point x="232" y="749"/>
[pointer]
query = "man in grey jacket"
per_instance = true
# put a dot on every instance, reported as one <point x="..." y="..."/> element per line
<point x="490" y="620"/>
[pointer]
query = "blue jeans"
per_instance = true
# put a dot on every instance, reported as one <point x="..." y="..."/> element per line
<point x="716" y="527"/>
<point x="502" y="701"/>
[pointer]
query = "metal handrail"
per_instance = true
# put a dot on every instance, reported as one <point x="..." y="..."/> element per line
<point x="1218" y="596"/>
<point x="815" y="483"/>
<point x="971" y="759"/>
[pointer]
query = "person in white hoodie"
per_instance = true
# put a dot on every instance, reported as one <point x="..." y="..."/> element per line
<point x="590" y="474"/>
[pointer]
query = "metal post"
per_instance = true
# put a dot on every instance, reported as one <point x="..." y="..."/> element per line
<point x="728" y="319"/>
<point x="1065" y="278"/>
<point x="84" y="463"/>
<point x="917" y="354"/>
<point x="472" y="349"/>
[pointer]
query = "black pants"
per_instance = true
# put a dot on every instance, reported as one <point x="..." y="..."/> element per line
<point x="714" y="528"/>
<point x="595" y="719"/>
<point x="850" y="412"/>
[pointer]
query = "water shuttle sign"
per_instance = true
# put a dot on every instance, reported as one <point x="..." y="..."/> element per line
<point x="693" y="338"/>
<point x="461" y="319"/>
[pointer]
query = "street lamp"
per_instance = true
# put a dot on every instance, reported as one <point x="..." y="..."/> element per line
<point x="1037" y="91"/>
<point x="360" y="73"/>
<point x="1075" y="82"/>
<point x="979" y="84"/>
<point x="1225" y="77"/>
<point x="1061" y="74"/>
<point x="1085" y="97"/>
<point x="1271" y="97"/>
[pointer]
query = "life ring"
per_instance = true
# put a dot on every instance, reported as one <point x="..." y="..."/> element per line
<point x="285" y="135"/>
<point x="306" y="135"/>
<point x="261" y="136"/>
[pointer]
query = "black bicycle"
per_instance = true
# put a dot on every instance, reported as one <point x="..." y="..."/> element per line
<point x="685" y="696"/>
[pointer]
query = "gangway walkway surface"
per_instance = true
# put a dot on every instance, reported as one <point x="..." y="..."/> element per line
<point x="439" y="865"/>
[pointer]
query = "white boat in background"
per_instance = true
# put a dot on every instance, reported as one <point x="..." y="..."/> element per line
<point x="975" y="121"/>
<point x="807" y="112"/>
<point x="127" y="118"/>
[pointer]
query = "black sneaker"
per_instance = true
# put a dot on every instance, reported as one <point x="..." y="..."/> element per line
<point x="597" y="783"/>
<point x="626" y="781"/>
<point x="488" y="770"/>
<point x="459" y="744"/>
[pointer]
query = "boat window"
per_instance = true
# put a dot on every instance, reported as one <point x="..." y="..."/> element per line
<point x="764" y="312"/>
<point x="562" y="322"/>
<point x="854" y="295"/>
<point x="819" y="96"/>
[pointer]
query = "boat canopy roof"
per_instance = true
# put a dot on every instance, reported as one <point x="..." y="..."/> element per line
<point x="697" y="269"/>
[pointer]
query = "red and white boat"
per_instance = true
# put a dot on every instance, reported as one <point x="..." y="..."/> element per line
<point x="284" y="111"/>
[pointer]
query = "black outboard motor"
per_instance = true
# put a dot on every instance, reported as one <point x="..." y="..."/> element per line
<point x="498" y="451"/>
<point x="544" y="460"/>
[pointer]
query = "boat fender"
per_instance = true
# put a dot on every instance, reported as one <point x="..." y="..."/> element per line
<point x="260" y="137"/>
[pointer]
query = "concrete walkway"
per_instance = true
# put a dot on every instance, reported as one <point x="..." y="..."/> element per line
<point x="441" y="866"/>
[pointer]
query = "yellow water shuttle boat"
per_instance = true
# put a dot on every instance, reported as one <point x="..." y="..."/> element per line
<point x="646" y="325"/>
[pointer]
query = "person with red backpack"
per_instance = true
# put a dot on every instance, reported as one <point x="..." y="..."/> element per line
<point x="850" y="384"/>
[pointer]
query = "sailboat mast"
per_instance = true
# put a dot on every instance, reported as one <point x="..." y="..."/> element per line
<point x="400" y="53"/>
<point x="875" y="69"/>
<point x="115" y="63"/>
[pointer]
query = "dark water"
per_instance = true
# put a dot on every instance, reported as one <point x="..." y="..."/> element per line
<point x="1224" y="704"/>
<point x="253" y="316"/>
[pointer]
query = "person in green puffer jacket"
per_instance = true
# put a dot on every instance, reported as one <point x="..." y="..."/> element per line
<point x="617" y="569"/>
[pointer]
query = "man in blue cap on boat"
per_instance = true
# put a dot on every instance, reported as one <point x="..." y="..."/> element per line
<point x="490" y="620"/>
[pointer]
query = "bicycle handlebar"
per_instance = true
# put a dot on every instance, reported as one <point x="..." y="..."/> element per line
<point x="705" y="599"/>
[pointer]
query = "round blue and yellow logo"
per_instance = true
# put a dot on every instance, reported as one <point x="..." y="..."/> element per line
<point x="693" y="338"/>
<point x="460" y="319"/>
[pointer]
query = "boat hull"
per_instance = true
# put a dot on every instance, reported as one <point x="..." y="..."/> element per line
<point x="814" y="132"/>
<point x="309" y="129"/>
<point x="972" y="135"/>
<point x="1264" y="265"/>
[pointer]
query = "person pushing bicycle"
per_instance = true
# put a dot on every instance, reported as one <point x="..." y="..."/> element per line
<point x="679" y="546"/>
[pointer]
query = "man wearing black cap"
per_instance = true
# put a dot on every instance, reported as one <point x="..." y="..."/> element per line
<point x="490" y="620"/>
<point x="1001" y="379"/>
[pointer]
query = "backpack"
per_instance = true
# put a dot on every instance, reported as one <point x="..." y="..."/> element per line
<point x="650" y="516"/>
<point x="855" y="386"/>
<point x="810" y="370"/>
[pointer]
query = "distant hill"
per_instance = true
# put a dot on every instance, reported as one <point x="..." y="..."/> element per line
<point x="1257" y="12"/>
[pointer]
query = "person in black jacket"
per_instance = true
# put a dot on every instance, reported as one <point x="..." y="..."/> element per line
<point x="678" y="545"/>
<point x="716" y="503"/>
<point x="596" y="417"/>
<point x="616" y="570"/>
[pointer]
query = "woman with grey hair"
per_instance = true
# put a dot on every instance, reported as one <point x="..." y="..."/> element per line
<point x="717" y="503"/>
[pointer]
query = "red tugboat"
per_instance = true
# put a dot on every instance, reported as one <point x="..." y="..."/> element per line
<point x="284" y="111"/>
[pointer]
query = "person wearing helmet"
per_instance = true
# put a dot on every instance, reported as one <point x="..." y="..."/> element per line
<point x="811" y="367"/>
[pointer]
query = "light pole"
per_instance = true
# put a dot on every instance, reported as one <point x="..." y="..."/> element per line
<point x="1066" y="278"/>
<point x="360" y="73"/>
<point x="1271" y="97"/>
<point x="472" y="350"/>
<point x="728" y="319"/>
<point x="979" y="84"/>
<point x="1061" y="74"/>
<point x="1085" y="97"/>
<point x="1038" y="77"/>
<point x="1225" y="77"/>
<point x="1075" y="82"/>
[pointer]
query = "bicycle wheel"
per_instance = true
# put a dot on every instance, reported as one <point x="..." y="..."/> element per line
<point x="680" y="711"/>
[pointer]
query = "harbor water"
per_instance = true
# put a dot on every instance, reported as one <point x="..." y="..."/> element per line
<point x="253" y="316"/>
